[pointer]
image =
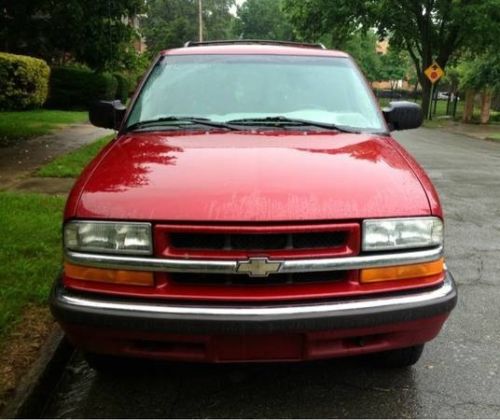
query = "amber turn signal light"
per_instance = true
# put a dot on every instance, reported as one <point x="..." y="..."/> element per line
<point x="401" y="272"/>
<point x="131" y="278"/>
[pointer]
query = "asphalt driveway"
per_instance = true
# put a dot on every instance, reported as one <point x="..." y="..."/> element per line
<point x="458" y="375"/>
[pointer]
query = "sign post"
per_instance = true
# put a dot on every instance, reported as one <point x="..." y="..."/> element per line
<point x="434" y="72"/>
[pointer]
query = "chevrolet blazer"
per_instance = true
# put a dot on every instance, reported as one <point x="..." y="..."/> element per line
<point x="253" y="207"/>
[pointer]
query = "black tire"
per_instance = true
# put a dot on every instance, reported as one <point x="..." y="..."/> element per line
<point x="397" y="358"/>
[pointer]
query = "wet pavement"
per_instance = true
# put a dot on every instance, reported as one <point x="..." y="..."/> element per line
<point x="457" y="376"/>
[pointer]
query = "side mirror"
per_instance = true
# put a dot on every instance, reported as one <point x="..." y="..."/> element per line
<point x="403" y="115"/>
<point x="107" y="114"/>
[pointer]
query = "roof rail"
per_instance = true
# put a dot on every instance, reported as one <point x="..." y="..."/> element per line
<point x="254" y="41"/>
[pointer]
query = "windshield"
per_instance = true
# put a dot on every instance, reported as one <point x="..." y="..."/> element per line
<point x="225" y="88"/>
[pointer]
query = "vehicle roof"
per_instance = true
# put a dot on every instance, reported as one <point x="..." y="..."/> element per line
<point x="254" y="49"/>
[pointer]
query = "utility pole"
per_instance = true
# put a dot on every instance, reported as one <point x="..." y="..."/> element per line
<point x="200" y="21"/>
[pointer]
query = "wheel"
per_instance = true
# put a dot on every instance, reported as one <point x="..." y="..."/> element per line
<point x="397" y="358"/>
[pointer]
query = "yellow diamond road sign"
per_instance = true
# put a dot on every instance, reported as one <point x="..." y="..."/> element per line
<point x="434" y="72"/>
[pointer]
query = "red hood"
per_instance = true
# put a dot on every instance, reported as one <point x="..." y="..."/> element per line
<point x="210" y="177"/>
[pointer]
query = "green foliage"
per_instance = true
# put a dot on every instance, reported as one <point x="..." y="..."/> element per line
<point x="391" y="66"/>
<point x="77" y="88"/>
<point x="170" y="23"/>
<point x="72" y="164"/>
<point x="122" y="87"/>
<point x="263" y="19"/>
<point x="30" y="251"/>
<point x="23" y="82"/>
<point x="362" y="47"/>
<point x="337" y="20"/>
<point x="98" y="33"/>
<point x="394" y="65"/>
<point x="24" y="124"/>
<point x="136" y="65"/>
<point x="482" y="73"/>
<point x="427" y="30"/>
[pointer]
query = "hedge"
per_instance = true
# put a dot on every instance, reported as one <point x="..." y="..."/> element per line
<point x="123" y="87"/>
<point x="77" y="88"/>
<point x="23" y="82"/>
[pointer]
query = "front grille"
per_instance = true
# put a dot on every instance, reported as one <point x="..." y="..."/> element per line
<point x="277" y="278"/>
<point x="278" y="242"/>
<point x="258" y="242"/>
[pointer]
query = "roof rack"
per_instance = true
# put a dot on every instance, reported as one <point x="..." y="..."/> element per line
<point x="255" y="41"/>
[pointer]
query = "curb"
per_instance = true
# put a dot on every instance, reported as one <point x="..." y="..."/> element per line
<point x="34" y="391"/>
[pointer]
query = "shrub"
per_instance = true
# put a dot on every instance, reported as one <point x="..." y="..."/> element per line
<point x="23" y="82"/>
<point x="77" y="88"/>
<point x="123" y="87"/>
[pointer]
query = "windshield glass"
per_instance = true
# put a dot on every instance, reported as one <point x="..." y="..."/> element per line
<point x="223" y="88"/>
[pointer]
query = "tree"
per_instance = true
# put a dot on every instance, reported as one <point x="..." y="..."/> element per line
<point x="96" y="33"/>
<point x="427" y="29"/>
<point x="262" y="19"/>
<point x="363" y="47"/>
<point x="170" y="23"/>
<point x="480" y="75"/>
<point x="394" y="66"/>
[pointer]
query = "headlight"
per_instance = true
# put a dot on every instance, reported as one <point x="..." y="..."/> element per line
<point x="387" y="234"/>
<point x="108" y="237"/>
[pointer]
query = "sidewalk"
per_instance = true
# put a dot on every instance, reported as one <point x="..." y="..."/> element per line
<point x="19" y="160"/>
<point x="477" y="131"/>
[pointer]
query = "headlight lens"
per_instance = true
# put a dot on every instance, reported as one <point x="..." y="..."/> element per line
<point x="387" y="234"/>
<point x="108" y="237"/>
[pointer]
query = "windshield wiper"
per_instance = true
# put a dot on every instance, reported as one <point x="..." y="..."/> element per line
<point x="284" y="121"/>
<point x="179" y="121"/>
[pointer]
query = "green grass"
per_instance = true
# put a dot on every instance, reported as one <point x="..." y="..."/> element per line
<point x="25" y="124"/>
<point x="70" y="165"/>
<point x="30" y="251"/>
<point x="494" y="136"/>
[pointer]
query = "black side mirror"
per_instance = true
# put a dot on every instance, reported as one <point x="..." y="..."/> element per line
<point x="403" y="115"/>
<point x="107" y="114"/>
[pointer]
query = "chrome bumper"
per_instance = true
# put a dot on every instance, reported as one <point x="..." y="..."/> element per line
<point x="86" y="309"/>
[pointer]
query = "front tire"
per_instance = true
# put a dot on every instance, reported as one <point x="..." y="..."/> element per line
<point x="397" y="358"/>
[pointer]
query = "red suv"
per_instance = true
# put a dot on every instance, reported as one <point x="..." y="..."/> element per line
<point x="253" y="207"/>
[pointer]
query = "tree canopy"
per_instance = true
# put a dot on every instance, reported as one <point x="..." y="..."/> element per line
<point x="170" y="23"/>
<point x="97" y="33"/>
<point x="427" y="29"/>
<point x="263" y="19"/>
<point x="481" y="73"/>
<point x="376" y="66"/>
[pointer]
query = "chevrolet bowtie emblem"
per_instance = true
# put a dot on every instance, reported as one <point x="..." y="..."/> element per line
<point x="258" y="267"/>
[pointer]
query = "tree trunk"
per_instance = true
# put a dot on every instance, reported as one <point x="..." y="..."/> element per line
<point x="426" y="96"/>
<point x="415" y="88"/>
<point x="469" y="105"/>
<point x="486" y="106"/>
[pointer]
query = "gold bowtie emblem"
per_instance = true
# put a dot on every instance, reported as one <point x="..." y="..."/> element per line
<point x="258" y="267"/>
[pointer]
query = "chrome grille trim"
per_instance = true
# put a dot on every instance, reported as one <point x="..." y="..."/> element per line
<point x="231" y="266"/>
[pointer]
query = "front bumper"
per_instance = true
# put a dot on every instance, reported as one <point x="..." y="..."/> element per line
<point x="99" y="311"/>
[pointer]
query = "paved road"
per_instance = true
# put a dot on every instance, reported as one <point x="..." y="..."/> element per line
<point x="458" y="375"/>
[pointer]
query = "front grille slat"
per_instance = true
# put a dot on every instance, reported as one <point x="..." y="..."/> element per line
<point x="257" y="242"/>
<point x="272" y="279"/>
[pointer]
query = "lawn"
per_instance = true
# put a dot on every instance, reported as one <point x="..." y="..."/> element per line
<point x="24" y="124"/>
<point x="30" y="252"/>
<point x="71" y="164"/>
